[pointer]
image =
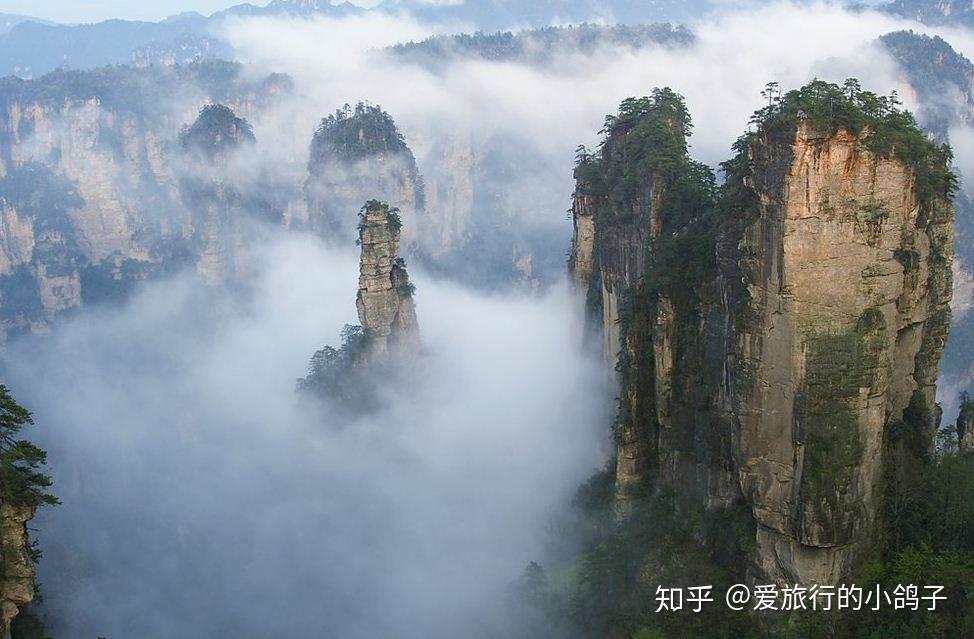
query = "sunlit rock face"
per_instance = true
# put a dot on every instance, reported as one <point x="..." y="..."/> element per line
<point x="358" y="154"/>
<point x="844" y="315"/>
<point x="767" y="340"/>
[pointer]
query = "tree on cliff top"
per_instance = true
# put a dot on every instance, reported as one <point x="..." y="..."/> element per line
<point x="21" y="480"/>
<point x="886" y="130"/>
<point x="354" y="133"/>
<point x="217" y="129"/>
<point x="648" y="136"/>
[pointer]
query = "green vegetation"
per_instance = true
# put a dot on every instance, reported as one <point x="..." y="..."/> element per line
<point x="357" y="153"/>
<point x="887" y="130"/>
<point x="42" y="196"/>
<point x="329" y="373"/>
<point x="400" y="279"/>
<point x="642" y="164"/>
<point x="934" y="70"/>
<point x="539" y="45"/>
<point x="837" y="367"/>
<point x="217" y="129"/>
<point x="21" y="480"/>
<point x="375" y="206"/>
<point x="35" y="191"/>
<point x="926" y="540"/>
<point x="20" y="296"/>
<point x="136" y="91"/>
<point x="642" y="180"/>
<point x="611" y="588"/>
<point x="354" y="133"/>
<point x="113" y="280"/>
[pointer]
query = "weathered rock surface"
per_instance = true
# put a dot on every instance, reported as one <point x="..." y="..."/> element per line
<point x="385" y="297"/>
<point x="773" y="375"/>
<point x="17" y="577"/>
<point x="91" y="168"/>
<point x="213" y="193"/>
<point x="845" y="315"/>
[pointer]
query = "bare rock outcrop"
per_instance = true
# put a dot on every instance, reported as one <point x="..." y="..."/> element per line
<point x="387" y="341"/>
<point x="385" y="296"/>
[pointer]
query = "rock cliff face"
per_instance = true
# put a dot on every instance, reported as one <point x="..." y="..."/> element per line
<point x="768" y="341"/>
<point x="632" y="200"/>
<point x="358" y="154"/>
<point x="386" y="344"/>
<point x="17" y="578"/>
<point x="385" y="296"/>
<point x="211" y="190"/>
<point x="90" y="165"/>
<point x="843" y="317"/>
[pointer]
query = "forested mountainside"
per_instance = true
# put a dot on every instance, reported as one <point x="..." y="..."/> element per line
<point x="102" y="146"/>
<point x="32" y="48"/>
<point x="782" y="332"/>
<point x="942" y="79"/>
<point x="537" y="46"/>
<point x="491" y="15"/>
<point x="108" y="181"/>
<point x="359" y="154"/>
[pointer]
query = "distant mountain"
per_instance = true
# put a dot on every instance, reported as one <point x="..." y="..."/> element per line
<point x="493" y="15"/>
<point x="936" y="12"/>
<point x="10" y="20"/>
<point x="30" y="48"/>
<point x="539" y="45"/>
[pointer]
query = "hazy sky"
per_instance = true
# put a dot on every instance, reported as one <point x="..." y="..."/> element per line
<point x="95" y="10"/>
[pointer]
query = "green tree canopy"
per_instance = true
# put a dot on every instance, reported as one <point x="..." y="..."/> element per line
<point x="21" y="479"/>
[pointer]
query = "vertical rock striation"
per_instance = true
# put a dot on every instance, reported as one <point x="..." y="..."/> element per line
<point x="387" y="342"/>
<point x="841" y="283"/>
<point x="641" y="204"/>
<point x="768" y="340"/>
<point x="385" y="296"/>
